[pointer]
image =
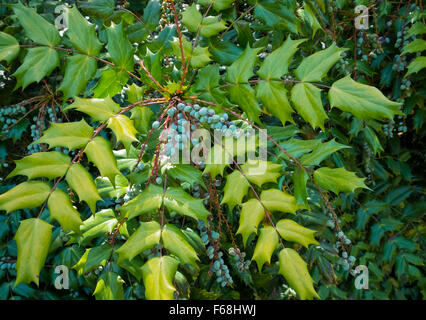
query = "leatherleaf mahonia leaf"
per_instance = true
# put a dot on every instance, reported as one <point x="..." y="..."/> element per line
<point x="109" y="287"/>
<point x="72" y="135"/>
<point x="9" y="47"/>
<point x="61" y="210"/>
<point x="416" y="65"/>
<point x="292" y="231"/>
<point x="193" y="20"/>
<point x="158" y="274"/>
<point x="307" y="101"/>
<point x="175" y="199"/>
<point x="93" y="258"/>
<point x="316" y="66"/>
<point x="97" y="109"/>
<point x="235" y="189"/>
<point x="110" y="83"/>
<point x="38" y="63"/>
<point x="252" y="213"/>
<point x="260" y="171"/>
<point x="265" y="246"/>
<point x="99" y="152"/>
<point x="175" y="242"/>
<point x="123" y="129"/>
<point x="277" y="200"/>
<point x="33" y="240"/>
<point x="29" y="194"/>
<point x="238" y="75"/>
<point x="50" y="165"/>
<point x="218" y="5"/>
<point x="119" y="47"/>
<point x="321" y="152"/>
<point x="98" y="225"/>
<point x="295" y="271"/>
<point x="36" y="27"/>
<point x="80" y="180"/>
<point x="187" y="173"/>
<point x="200" y="56"/>
<point x="300" y="178"/>
<point x="363" y="101"/>
<point x="338" y="180"/>
<point x="145" y="237"/>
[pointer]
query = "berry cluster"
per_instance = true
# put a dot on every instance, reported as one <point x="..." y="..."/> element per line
<point x="388" y="129"/>
<point x="345" y="261"/>
<point x="219" y="268"/>
<point x="7" y="115"/>
<point x="238" y="258"/>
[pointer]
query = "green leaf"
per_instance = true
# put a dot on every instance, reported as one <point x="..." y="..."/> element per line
<point x="295" y="271"/>
<point x="99" y="152"/>
<point x="78" y="71"/>
<point x="207" y="85"/>
<point x="72" y="135"/>
<point x="186" y="173"/>
<point x="38" y="63"/>
<point x="50" y="165"/>
<point x="151" y="14"/>
<point x="416" y="29"/>
<point x="218" y="5"/>
<point x="298" y="147"/>
<point x="110" y="83"/>
<point x="199" y="57"/>
<point x="29" y="194"/>
<point x="235" y="189"/>
<point x="316" y="66"/>
<point x="61" y="210"/>
<point x="276" y="64"/>
<point x="338" y="180"/>
<point x="372" y="140"/>
<point x="242" y="69"/>
<point x="109" y="287"/>
<point x="98" y="8"/>
<point x="300" y="193"/>
<point x="252" y="213"/>
<point x="417" y="45"/>
<point x="36" y="27"/>
<point x="321" y="152"/>
<point x="175" y="242"/>
<point x="81" y="33"/>
<point x="142" y="118"/>
<point x="150" y="199"/>
<point x="245" y="97"/>
<point x="277" y="15"/>
<point x="145" y="237"/>
<point x="158" y="274"/>
<point x="9" y="47"/>
<point x="81" y="182"/>
<point x="193" y="19"/>
<point x="274" y="97"/>
<point x="108" y="190"/>
<point x="95" y="257"/>
<point x="363" y="101"/>
<point x="119" y="47"/>
<point x="33" y="241"/>
<point x="415" y="66"/>
<point x="98" y="225"/>
<point x="260" y="172"/>
<point x="123" y="129"/>
<point x="292" y="231"/>
<point x="307" y="102"/>
<point x="307" y="14"/>
<point x="97" y="109"/>
<point x="265" y="246"/>
<point x="277" y="200"/>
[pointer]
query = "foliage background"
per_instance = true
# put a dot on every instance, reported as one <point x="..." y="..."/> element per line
<point x="385" y="224"/>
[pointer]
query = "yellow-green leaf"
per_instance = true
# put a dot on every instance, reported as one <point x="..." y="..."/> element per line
<point x="338" y="180"/>
<point x="321" y="152"/>
<point x="307" y="102"/>
<point x="175" y="242"/>
<point x="50" y="165"/>
<point x="9" y="47"/>
<point x="252" y="213"/>
<point x="295" y="271"/>
<point x="80" y="180"/>
<point x="29" y="194"/>
<point x="123" y="129"/>
<point x="363" y="101"/>
<point x="33" y="241"/>
<point x="109" y="287"/>
<point x="97" y="109"/>
<point x="274" y="97"/>
<point x="158" y="274"/>
<point x="265" y="246"/>
<point x="235" y="189"/>
<point x="61" y="210"/>
<point x="72" y="135"/>
<point x="260" y="172"/>
<point x="145" y="237"/>
<point x="276" y="200"/>
<point x="292" y="231"/>
<point x="99" y="152"/>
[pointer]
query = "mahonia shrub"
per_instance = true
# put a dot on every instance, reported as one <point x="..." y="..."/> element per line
<point x="119" y="90"/>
